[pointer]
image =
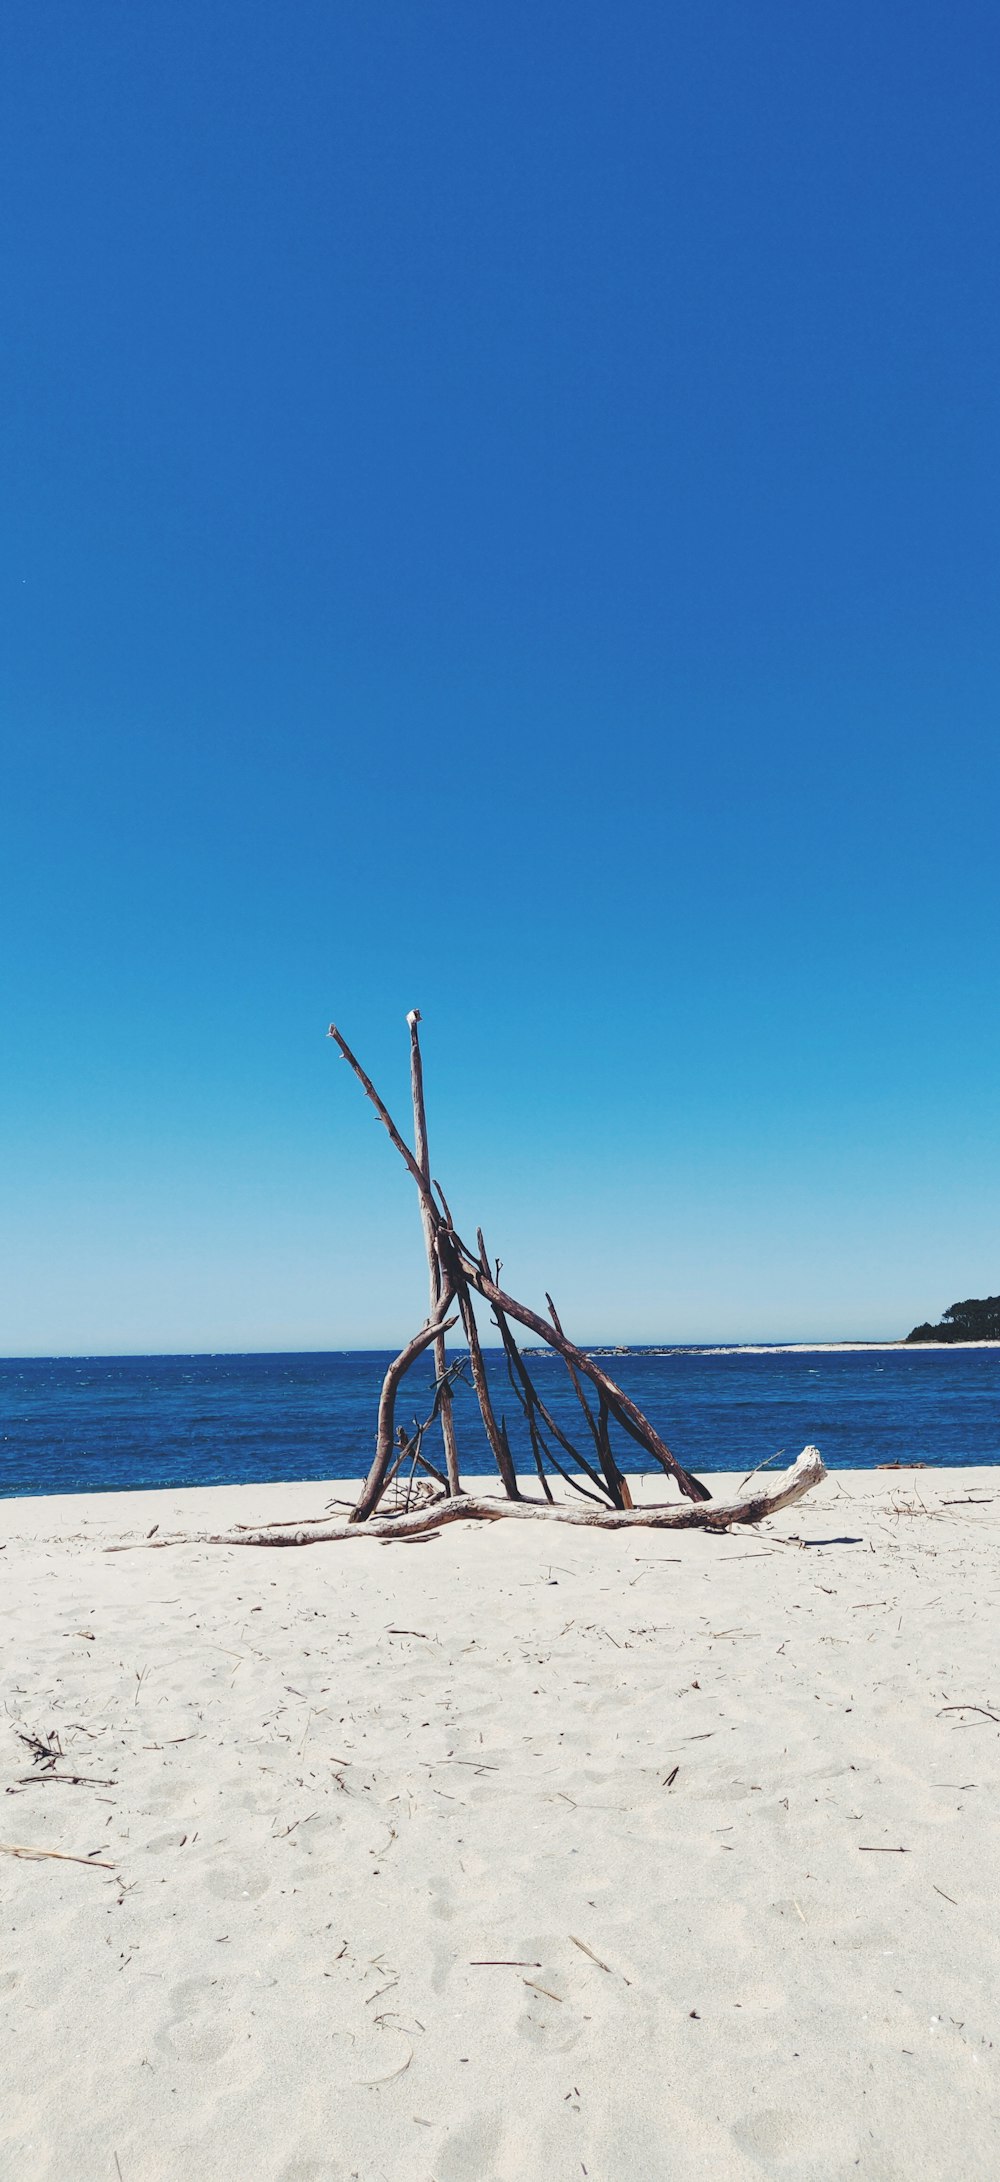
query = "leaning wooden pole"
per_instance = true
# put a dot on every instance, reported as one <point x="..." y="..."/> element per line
<point x="385" y="1442"/>
<point x="620" y="1404"/>
<point x="498" y="1444"/>
<point x="431" y="1221"/>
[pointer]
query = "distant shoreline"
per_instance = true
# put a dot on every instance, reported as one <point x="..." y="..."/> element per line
<point x="605" y="1348"/>
<point x="777" y="1348"/>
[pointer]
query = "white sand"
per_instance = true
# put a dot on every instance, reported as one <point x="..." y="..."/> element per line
<point x="330" y="1782"/>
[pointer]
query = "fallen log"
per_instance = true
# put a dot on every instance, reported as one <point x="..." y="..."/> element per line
<point x="714" y="1515"/>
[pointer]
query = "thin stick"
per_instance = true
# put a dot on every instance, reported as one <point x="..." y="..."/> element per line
<point x="516" y="1360"/>
<point x="495" y="1433"/>
<point x="517" y="1375"/>
<point x="585" y="1950"/>
<point x="497" y="1438"/>
<point x="759" y="1466"/>
<point x="72" y="1780"/>
<point x="409" y="1451"/>
<point x="574" y="1376"/>
<point x="383" y="1114"/>
<point x="431" y="1220"/>
<point x="93" y="1863"/>
<point x="414" y="1447"/>
<point x="619" y="1403"/>
<point x="531" y="1402"/>
<point x="528" y="1394"/>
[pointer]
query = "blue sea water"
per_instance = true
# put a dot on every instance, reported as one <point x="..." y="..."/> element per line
<point x="108" y="1424"/>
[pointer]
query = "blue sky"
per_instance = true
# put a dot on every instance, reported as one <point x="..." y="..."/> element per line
<point x="500" y="516"/>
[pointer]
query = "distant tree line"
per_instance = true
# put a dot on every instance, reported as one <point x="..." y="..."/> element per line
<point x="978" y="1319"/>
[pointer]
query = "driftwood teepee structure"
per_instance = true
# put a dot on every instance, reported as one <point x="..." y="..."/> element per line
<point x="458" y="1275"/>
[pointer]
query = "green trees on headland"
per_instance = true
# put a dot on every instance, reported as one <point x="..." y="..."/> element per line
<point x="976" y="1320"/>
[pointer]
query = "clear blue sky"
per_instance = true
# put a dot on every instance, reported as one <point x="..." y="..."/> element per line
<point x="501" y="515"/>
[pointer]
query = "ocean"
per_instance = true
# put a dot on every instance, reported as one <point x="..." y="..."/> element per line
<point x="118" y="1423"/>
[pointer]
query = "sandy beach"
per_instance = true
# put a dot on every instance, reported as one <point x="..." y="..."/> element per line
<point x="518" y="1852"/>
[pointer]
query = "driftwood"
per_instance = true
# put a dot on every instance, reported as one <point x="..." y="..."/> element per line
<point x="458" y="1278"/>
<point x="428" y="1214"/>
<point x="58" y="1856"/>
<point x="458" y="1274"/>
<point x="385" y="1442"/>
<point x="715" y="1515"/>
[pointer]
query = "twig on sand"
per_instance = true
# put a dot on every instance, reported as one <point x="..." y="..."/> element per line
<point x="370" y="2082"/>
<point x="72" y="1780"/>
<point x="93" y="1863"/>
<point x="585" y="1950"/>
<point x="45" y="1749"/>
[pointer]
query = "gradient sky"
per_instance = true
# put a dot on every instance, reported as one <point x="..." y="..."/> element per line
<point x="500" y="515"/>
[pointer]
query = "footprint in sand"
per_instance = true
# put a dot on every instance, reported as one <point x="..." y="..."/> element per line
<point x="775" y="2134"/>
<point x="159" y="1843"/>
<point x="197" y="2032"/>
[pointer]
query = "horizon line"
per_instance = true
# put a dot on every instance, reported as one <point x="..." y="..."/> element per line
<point x="604" y="1348"/>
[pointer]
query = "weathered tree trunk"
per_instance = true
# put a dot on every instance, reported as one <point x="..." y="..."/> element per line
<point x="715" y="1515"/>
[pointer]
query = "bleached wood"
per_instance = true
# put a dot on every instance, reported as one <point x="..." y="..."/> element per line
<point x="715" y="1515"/>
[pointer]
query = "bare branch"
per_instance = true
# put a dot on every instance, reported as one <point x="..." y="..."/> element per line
<point x="619" y="1403"/>
<point x="497" y="1438"/>
<point x="382" y="1111"/>
<point x="714" y="1515"/>
<point x="525" y="1393"/>
<point x="532" y="1402"/>
<point x="431" y="1219"/>
<point x="374" y="1483"/>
